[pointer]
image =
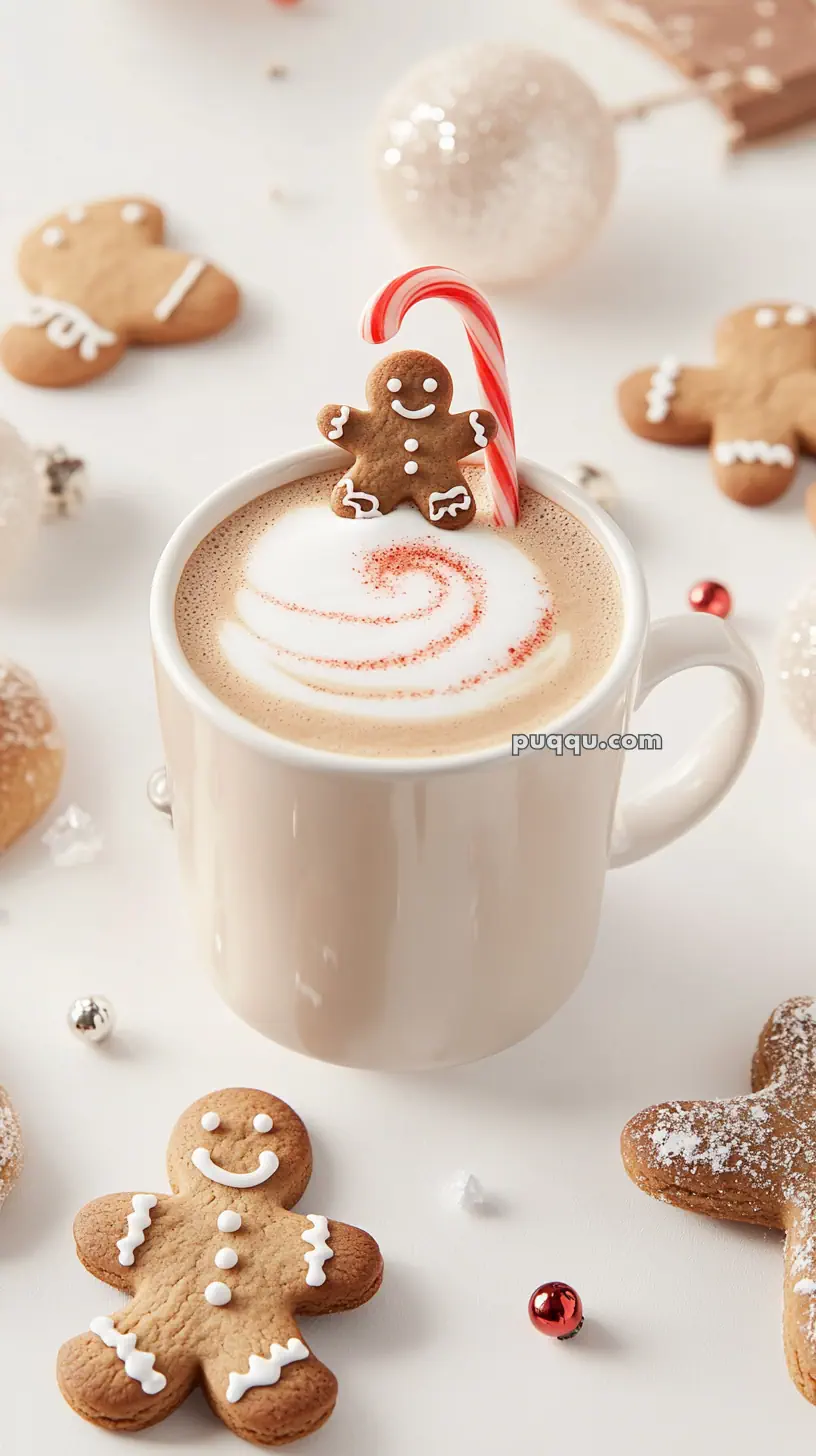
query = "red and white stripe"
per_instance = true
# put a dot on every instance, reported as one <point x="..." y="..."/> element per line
<point x="381" y="320"/>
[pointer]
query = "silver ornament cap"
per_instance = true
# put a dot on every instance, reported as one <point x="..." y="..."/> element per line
<point x="91" y="1018"/>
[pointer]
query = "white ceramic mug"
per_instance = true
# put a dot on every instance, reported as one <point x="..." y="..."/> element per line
<point x="410" y="913"/>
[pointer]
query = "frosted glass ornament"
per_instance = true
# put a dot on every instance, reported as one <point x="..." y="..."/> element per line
<point x="497" y="160"/>
<point x="19" y="502"/>
<point x="797" y="659"/>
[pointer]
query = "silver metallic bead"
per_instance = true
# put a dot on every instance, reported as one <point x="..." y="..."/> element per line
<point x="158" y="792"/>
<point x="599" y="485"/>
<point x="63" y="482"/>
<point x="91" y="1018"/>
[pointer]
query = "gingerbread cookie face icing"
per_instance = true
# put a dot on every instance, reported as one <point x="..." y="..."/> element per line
<point x="100" y="278"/>
<point x="407" y="447"/>
<point x="752" y="1159"/>
<point x="756" y="409"/>
<point x="217" y="1273"/>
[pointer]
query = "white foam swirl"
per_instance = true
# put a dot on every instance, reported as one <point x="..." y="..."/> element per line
<point x="390" y="617"/>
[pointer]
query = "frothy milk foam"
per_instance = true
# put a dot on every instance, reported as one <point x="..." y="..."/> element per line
<point x="388" y="636"/>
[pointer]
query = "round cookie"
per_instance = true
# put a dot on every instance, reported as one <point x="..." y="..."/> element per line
<point x="11" y="1146"/>
<point x="31" y="753"/>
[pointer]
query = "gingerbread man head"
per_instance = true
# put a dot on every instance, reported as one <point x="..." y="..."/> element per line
<point x="101" y="278"/>
<point x="234" y="1139"/>
<point x="408" y="447"/>
<point x="410" y="385"/>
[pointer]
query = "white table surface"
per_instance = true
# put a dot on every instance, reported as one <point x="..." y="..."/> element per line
<point x="682" y="1346"/>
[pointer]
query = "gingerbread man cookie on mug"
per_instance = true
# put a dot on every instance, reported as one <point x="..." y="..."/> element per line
<point x="408" y="446"/>
<point x="217" y="1274"/>
<point x="101" y="278"/>
<point x="756" y="409"/>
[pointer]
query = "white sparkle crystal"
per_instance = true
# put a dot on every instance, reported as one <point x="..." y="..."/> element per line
<point x="73" y="838"/>
<point x="467" y="1192"/>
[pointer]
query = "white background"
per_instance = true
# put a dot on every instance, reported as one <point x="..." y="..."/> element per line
<point x="682" y="1344"/>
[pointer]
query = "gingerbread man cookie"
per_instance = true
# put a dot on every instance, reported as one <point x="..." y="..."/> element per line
<point x="217" y="1273"/>
<point x="101" y="279"/>
<point x="753" y="1159"/>
<point x="408" y="447"/>
<point x="756" y="409"/>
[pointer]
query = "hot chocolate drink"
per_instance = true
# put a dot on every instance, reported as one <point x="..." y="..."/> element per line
<point x="388" y="637"/>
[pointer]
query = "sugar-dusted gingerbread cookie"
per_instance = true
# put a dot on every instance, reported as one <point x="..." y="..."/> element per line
<point x="407" y="447"/>
<point x="100" y="279"/>
<point x="756" y="409"/>
<point x="217" y="1274"/>
<point x="11" y="1146"/>
<point x="31" y="753"/>
<point x="753" y="1159"/>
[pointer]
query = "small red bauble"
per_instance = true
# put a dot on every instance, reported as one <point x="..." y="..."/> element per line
<point x="556" y="1309"/>
<point x="710" y="596"/>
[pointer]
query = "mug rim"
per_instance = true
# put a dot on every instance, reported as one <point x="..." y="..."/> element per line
<point x="295" y="465"/>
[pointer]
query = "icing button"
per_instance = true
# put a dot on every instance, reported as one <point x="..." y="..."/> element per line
<point x="218" y="1293"/>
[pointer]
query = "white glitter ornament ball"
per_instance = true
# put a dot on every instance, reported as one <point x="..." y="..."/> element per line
<point x="19" y="501"/>
<point x="797" y="659"/>
<point x="495" y="159"/>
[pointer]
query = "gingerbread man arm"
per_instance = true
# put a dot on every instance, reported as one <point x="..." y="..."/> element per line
<point x="340" y="1267"/>
<point x="343" y="425"/>
<point x="705" y="1157"/>
<point x="670" y="404"/>
<point x="472" y="430"/>
<point x="109" y="1233"/>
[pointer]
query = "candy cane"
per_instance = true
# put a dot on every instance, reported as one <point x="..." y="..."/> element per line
<point x="381" y="320"/>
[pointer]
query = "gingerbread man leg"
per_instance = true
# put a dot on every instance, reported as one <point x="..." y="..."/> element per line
<point x="753" y="466"/>
<point x="125" y="1373"/>
<point x="350" y="500"/>
<point x="266" y="1385"/>
<point x="37" y="355"/>
<point x="799" y="1322"/>
<point x="449" y="503"/>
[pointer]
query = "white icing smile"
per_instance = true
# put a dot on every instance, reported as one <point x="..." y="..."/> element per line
<point x="267" y="1165"/>
<point x="420" y="414"/>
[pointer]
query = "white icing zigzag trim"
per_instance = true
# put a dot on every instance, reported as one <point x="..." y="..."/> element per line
<point x="339" y="421"/>
<point x="753" y="452"/>
<point x="265" y="1372"/>
<point x="137" y="1222"/>
<point x="138" y="1363"/>
<point x="458" y="498"/>
<point x="67" y="326"/>
<point x="663" y="389"/>
<point x="479" y="436"/>
<point x="318" y="1236"/>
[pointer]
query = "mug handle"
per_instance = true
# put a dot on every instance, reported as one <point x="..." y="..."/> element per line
<point x="695" y="785"/>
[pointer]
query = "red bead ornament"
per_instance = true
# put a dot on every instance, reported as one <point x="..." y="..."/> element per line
<point x="710" y="596"/>
<point x="555" y="1309"/>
